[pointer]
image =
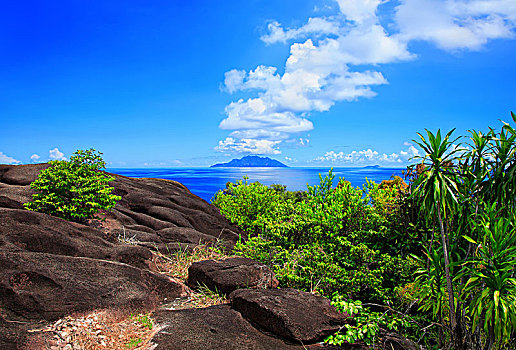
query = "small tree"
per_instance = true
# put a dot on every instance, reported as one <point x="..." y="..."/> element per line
<point x="74" y="190"/>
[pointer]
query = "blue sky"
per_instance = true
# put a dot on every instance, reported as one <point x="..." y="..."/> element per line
<point x="310" y="83"/>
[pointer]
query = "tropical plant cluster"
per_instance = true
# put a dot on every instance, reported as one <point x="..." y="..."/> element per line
<point x="330" y="239"/>
<point x="74" y="190"/>
<point x="432" y="259"/>
<point x="467" y="192"/>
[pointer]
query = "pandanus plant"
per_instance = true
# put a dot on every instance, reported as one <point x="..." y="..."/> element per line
<point x="437" y="191"/>
<point x="471" y="193"/>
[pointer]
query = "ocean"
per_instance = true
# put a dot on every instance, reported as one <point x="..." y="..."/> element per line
<point x="205" y="182"/>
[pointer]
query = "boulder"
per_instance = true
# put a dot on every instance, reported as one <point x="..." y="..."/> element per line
<point x="185" y="235"/>
<point x="20" y="174"/>
<point x="231" y="274"/>
<point x="216" y="327"/>
<point x="37" y="232"/>
<point x="147" y="205"/>
<point x="288" y="313"/>
<point x="48" y="286"/>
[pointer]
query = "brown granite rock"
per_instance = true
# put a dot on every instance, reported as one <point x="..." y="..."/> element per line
<point x="218" y="327"/>
<point x="288" y="313"/>
<point x="230" y="274"/>
<point x="147" y="205"/>
<point x="50" y="267"/>
<point x="37" y="232"/>
<point x="47" y="286"/>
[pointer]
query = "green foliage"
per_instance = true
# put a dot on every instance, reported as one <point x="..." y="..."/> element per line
<point x="445" y="244"/>
<point x="470" y="192"/>
<point x="133" y="343"/>
<point x="329" y="239"/>
<point x="73" y="190"/>
<point x="143" y="319"/>
<point x="244" y="203"/>
<point x="367" y="323"/>
<point x="491" y="284"/>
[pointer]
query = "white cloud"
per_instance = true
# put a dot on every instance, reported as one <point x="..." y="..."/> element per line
<point x="5" y="159"/>
<point x="359" y="10"/>
<point x="248" y="146"/>
<point x="55" y="154"/>
<point x="316" y="26"/>
<point x="34" y="158"/>
<point x="321" y="67"/>
<point x="367" y="157"/>
<point x="410" y="153"/>
<point x="304" y="142"/>
<point x="233" y="80"/>
<point x="456" y="24"/>
<point x="255" y="115"/>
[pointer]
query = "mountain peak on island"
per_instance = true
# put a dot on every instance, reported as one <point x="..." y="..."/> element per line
<point x="252" y="161"/>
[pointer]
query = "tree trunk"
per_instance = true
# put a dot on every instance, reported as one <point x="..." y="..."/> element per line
<point x="449" y="285"/>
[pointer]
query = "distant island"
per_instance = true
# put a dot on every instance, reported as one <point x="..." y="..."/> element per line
<point x="251" y="161"/>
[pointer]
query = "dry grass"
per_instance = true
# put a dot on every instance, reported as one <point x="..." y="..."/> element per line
<point x="111" y="329"/>
<point x="200" y="298"/>
<point x="101" y="330"/>
<point x="176" y="264"/>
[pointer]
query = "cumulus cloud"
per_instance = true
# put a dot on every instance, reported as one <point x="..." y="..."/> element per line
<point x="321" y="68"/>
<point x="367" y="157"/>
<point x="56" y="154"/>
<point x="34" y="158"/>
<point x="5" y="159"/>
<point x="315" y="26"/>
<point x="456" y="24"/>
<point x="251" y="146"/>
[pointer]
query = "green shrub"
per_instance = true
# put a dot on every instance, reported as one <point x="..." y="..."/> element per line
<point x="329" y="239"/>
<point x="74" y="190"/>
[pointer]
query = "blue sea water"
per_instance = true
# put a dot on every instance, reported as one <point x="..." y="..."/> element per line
<point x="205" y="182"/>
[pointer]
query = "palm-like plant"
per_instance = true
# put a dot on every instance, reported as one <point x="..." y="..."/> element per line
<point x="437" y="189"/>
<point x="500" y="185"/>
<point x="491" y="279"/>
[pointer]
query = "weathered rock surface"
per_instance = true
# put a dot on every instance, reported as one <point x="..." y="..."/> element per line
<point x="162" y="205"/>
<point x="231" y="274"/>
<point x="288" y="313"/>
<point x="216" y="327"/>
<point x="50" y="267"/>
<point x="24" y="230"/>
<point x="47" y="286"/>
<point x="154" y="211"/>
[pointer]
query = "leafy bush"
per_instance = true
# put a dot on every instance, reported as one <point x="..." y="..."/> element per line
<point x="329" y="239"/>
<point x="367" y="323"/>
<point x="468" y="195"/>
<point x="74" y="190"/>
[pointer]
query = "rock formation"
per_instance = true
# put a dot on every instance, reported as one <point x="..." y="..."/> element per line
<point x="51" y="267"/>
<point x="231" y="274"/>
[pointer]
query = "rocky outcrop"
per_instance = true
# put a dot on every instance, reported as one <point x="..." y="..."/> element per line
<point x="231" y="274"/>
<point x="52" y="267"/>
<point x="218" y="327"/>
<point x="160" y="207"/>
<point x="47" y="286"/>
<point x="288" y="313"/>
<point x="155" y="212"/>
